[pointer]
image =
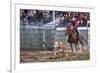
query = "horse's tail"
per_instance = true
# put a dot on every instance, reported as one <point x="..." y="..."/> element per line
<point x="86" y="42"/>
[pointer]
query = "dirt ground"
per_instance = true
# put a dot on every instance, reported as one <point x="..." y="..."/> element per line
<point x="48" y="56"/>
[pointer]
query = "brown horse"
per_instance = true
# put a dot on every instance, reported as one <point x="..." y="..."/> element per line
<point x="72" y="39"/>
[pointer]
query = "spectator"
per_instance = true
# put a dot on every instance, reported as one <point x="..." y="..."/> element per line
<point x="23" y="16"/>
<point x="31" y="14"/>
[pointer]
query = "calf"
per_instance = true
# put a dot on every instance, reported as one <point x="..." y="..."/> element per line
<point x="60" y="47"/>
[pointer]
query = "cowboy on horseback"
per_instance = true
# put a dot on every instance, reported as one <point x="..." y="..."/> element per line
<point x="74" y="26"/>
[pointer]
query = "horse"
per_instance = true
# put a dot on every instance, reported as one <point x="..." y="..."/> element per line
<point x="72" y="39"/>
<point x="60" y="47"/>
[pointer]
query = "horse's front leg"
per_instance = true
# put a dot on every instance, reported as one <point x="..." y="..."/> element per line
<point x="83" y="47"/>
<point x="76" y="47"/>
<point x="71" y="47"/>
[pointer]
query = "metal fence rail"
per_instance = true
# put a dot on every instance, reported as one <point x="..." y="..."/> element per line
<point x="42" y="38"/>
<point x="36" y="38"/>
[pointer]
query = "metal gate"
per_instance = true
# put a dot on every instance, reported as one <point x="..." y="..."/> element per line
<point x="36" y="38"/>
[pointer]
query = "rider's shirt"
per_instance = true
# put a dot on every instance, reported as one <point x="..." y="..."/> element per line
<point x="75" y="24"/>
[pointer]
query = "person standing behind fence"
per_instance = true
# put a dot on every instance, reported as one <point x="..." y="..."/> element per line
<point x="80" y="18"/>
<point x="65" y="20"/>
<point x="23" y="17"/>
<point x="31" y="14"/>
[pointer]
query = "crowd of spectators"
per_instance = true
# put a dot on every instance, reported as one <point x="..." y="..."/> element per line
<point x="62" y="18"/>
<point x="35" y="17"/>
<point x="66" y="18"/>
